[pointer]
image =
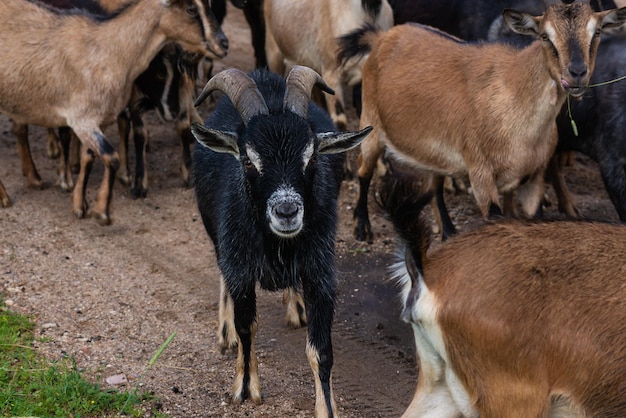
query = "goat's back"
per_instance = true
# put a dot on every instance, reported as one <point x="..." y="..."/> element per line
<point x="537" y="302"/>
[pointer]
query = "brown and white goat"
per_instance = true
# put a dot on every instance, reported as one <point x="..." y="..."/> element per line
<point x="485" y="110"/>
<point x="305" y="32"/>
<point x="88" y="78"/>
<point x="514" y="319"/>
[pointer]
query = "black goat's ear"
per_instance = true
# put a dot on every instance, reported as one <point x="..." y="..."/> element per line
<point x="218" y="141"/>
<point x="337" y="142"/>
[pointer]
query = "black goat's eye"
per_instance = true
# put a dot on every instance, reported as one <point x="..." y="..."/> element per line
<point x="598" y="32"/>
<point x="192" y="10"/>
<point x="544" y="37"/>
<point x="247" y="163"/>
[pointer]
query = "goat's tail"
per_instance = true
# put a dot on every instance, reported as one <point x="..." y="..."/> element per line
<point x="356" y="43"/>
<point x="403" y="203"/>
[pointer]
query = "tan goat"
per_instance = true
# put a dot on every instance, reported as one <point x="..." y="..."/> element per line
<point x="305" y="32"/>
<point x="52" y="77"/>
<point x="514" y="319"/>
<point x="486" y="110"/>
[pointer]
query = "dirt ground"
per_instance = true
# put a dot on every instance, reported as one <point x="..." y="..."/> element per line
<point x="110" y="296"/>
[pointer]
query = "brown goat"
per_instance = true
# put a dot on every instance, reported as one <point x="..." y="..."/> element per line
<point x="88" y="78"/>
<point x="516" y="319"/>
<point x="486" y="110"/>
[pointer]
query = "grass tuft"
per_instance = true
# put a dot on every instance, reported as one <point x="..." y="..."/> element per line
<point x="31" y="385"/>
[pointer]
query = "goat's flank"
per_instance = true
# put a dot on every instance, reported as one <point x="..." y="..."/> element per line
<point x="516" y="318"/>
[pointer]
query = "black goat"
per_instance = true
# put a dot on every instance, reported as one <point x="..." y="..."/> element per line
<point x="600" y="118"/>
<point x="270" y="208"/>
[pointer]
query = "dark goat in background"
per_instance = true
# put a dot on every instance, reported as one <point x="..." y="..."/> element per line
<point x="267" y="175"/>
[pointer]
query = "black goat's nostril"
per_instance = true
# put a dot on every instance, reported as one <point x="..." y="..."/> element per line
<point x="287" y="210"/>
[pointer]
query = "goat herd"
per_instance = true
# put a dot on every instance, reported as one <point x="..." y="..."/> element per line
<point x="515" y="318"/>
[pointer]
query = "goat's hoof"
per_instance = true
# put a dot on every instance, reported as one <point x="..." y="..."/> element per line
<point x="364" y="233"/>
<point x="102" y="218"/>
<point x="5" y="202"/>
<point x="81" y="212"/>
<point x="123" y="178"/>
<point x="35" y="184"/>
<point x="138" y="192"/>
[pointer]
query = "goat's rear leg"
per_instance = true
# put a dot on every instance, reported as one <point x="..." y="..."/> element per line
<point x="371" y="150"/>
<point x="563" y="196"/>
<point x="247" y="384"/>
<point x="79" y="200"/>
<point x="295" y="313"/>
<point x="33" y="180"/>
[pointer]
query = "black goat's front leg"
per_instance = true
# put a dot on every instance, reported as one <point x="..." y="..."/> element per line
<point x="319" y="349"/>
<point x="246" y="385"/>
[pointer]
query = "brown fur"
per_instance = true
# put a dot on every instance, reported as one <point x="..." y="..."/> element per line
<point x="532" y="311"/>
<point x="305" y="33"/>
<point x="89" y="77"/>
<point x="486" y="110"/>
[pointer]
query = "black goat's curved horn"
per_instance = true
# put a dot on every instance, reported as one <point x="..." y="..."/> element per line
<point x="300" y="82"/>
<point x="240" y="89"/>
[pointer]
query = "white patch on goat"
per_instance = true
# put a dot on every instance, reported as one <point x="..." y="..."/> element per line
<point x="592" y="25"/>
<point x="307" y="154"/>
<point x="285" y="227"/>
<point x="459" y="394"/>
<point x="549" y="29"/>
<point x="254" y="157"/>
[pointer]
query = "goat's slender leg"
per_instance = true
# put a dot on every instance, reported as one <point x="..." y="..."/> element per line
<point x="52" y="144"/>
<point x="65" y="180"/>
<point x="563" y="196"/>
<point x="5" y="202"/>
<point x="94" y="139"/>
<point x="33" y="180"/>
<point x="253" y="11"/>
<point x="371" y="150"/>
<point x="320" y="309"/>
<point x="79" y="200"/>
<point x="246" y="385"/>
<point x="441" y="213"/>
<point x="183" y="125"/>
<point x="334" y="102"/>
<point x="139" y="186"/>
<point x="295" y="315"/>
<point x="226" y="332"/>
<point x="123" y="127"/>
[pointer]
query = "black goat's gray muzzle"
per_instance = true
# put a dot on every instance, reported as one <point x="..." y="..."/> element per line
<point x="285" y="212"/>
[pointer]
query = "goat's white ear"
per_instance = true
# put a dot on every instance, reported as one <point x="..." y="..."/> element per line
<point x="522" y="23"/>
<point x="218" y="141"/>
<point x="611" y="19"/>
<point x="337" y="142"/>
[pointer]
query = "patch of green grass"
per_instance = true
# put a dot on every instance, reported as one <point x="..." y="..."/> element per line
<point x="30" y="385"/>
